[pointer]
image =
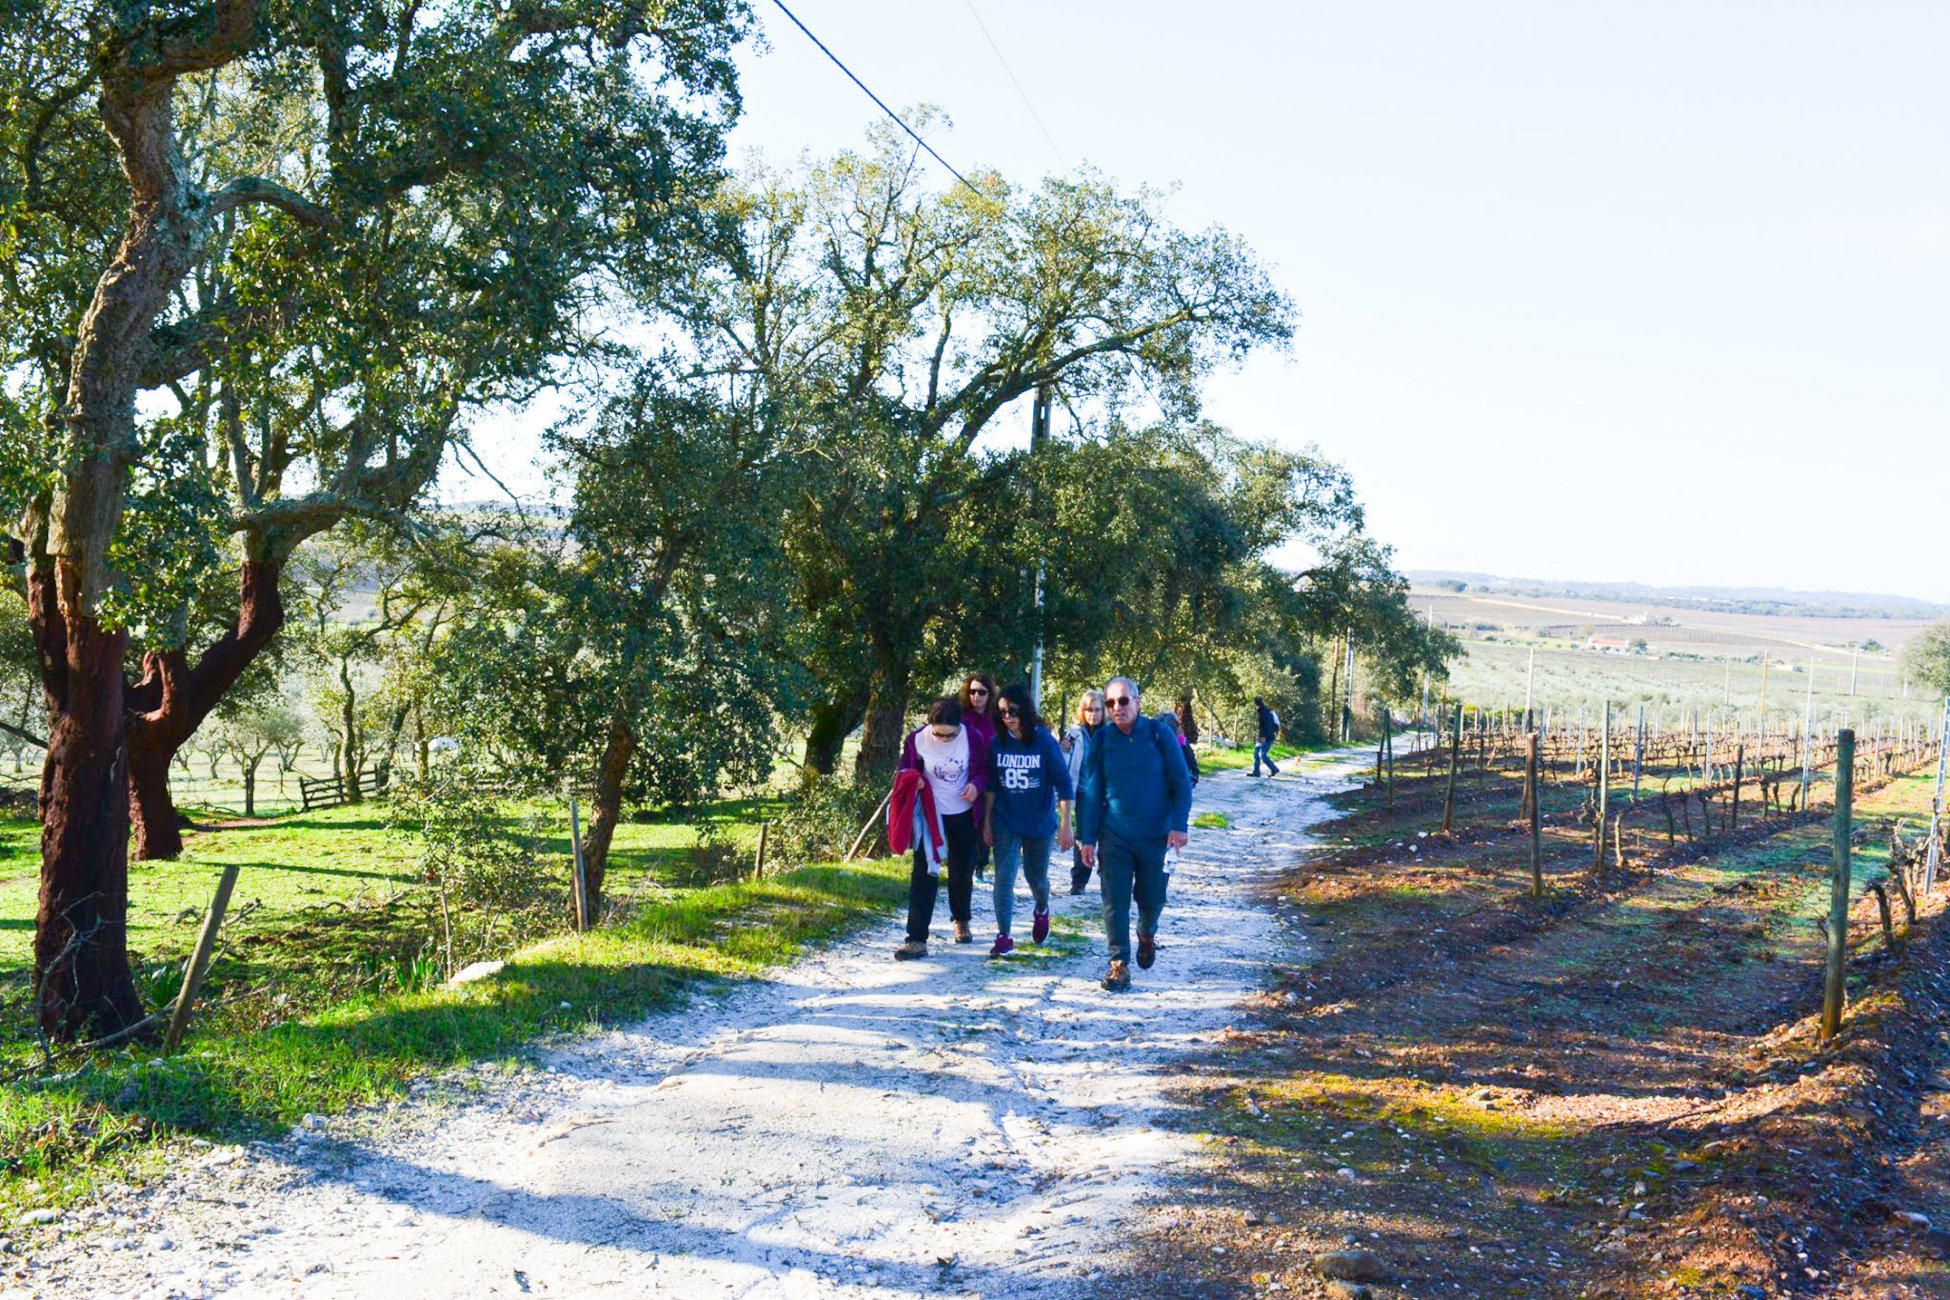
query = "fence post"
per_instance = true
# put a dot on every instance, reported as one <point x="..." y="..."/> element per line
<point x="1455" y="761"/>
<point x="1836" y="985"/>
<point x="1536" y="832"/>
<point x="758" y="858"/>
<point x="580" y="886"/>
<point x="206" y="942"/>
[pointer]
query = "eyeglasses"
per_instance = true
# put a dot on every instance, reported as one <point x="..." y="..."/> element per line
<point x="1010" y="711"/>
<point x="937" y="733"/>
<point x="978" y="690"/>
<point x="1118" y="701"/>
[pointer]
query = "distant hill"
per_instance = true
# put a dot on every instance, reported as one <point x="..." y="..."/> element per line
<point x="1723" y="600"/>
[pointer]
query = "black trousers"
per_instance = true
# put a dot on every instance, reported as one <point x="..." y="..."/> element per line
<point x="1079" y="874"/>
<point x="923" y="885"/>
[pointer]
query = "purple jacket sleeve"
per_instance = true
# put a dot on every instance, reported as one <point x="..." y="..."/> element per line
<point x="978" y="761"/>
<point x="910" y="757"/>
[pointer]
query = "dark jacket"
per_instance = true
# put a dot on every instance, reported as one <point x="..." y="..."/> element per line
<point x="1134" y="786"/>
<point x="1269" y="725"/>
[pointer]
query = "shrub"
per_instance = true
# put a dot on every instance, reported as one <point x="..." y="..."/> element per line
<point x="821" y="823"/>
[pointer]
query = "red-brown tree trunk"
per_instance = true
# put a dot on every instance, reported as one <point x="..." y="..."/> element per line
<point x="172" y="700"/>
<point x="618" y="750"/>
<point x="82" y="980"/>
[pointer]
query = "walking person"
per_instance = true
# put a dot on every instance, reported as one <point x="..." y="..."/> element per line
<point x="1028" y="803"/>
<point x="1269" y="731"/>
<point x="978" y="703"/>
<point x="942" y="775"/>
<point x="1076" y="746"/>
<point x="1135" y="804"/>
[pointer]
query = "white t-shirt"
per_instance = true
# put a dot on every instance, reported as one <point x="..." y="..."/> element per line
<point x="946" y="764"/>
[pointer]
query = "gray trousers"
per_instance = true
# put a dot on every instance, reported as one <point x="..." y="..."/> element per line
<point x="1128" y="870"/>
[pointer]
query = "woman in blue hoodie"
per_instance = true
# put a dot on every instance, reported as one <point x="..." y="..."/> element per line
<point x="1027" y="804"/>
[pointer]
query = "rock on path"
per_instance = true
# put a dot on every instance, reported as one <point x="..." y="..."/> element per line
<point x="852" y="1124"/>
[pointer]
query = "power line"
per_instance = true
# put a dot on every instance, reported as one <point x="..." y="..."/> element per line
<point x="875" y="98"/>
<point x="1017" y="84"/>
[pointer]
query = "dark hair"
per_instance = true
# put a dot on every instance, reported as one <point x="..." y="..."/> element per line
<point x="1169" y="721"/>
<point x="1260" y="701"/>
<point x="945" y="712"/>
<point x="986" y="680"/>
<point x="1018" y="694"/>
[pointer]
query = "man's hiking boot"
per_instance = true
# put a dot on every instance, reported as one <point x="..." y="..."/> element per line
<point x="910" y="950"/>
<point x="1117" y="978"/>
<point x="1147" y="951"/>
<point x="1039" y="930"/>
<point x="1004" y="945"/>
<point x="963" y="934"/>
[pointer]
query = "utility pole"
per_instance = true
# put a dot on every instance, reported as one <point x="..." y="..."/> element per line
<point x="1854" y="658"/>
<point x="1038" y="435"/>
<point x="1808" y="735"/>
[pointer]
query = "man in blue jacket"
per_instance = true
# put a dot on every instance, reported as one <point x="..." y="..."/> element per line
<point x="1135" y="804"/>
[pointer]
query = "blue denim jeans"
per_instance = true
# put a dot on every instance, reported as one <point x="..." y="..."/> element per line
<point x="1130" y="870"/>
<point x="1032" y="855"/>
<point x="1263" y="751"/>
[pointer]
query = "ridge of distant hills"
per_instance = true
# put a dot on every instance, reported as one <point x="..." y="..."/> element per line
<point x="1722" y="600"/>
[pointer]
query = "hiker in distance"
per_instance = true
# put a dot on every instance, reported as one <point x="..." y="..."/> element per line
<point x="1028" y="803"/>
<point x="1135" y="805"/>
<point x="1076" y="747"/>
<point x="944" y="770"/>
<point x="1269" y="731"/>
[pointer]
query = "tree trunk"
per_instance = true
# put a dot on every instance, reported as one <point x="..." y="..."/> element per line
<point x="880" y="747"/>
<point x="617" y="753"/>
<point x="172" y="700"/>
<point x="832" y="723"/>
<point x="349" y="733"/>
<point x="250" y="786"/>
<point x="82" y="981"/>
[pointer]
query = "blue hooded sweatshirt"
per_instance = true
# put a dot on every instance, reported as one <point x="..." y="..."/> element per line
<point x="1027" y="780"/>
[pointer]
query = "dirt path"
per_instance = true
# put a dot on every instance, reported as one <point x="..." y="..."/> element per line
<point x="854" y="1124"/>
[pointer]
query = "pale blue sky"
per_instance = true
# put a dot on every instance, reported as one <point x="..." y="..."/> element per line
<point x="1649" y="291"/>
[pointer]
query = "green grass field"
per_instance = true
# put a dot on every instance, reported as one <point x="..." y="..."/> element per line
<point x="310" y="1007"/>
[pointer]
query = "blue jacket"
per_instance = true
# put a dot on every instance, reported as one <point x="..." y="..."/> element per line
<point x="1026" y="781"/>
<point x="1134" y="787"/>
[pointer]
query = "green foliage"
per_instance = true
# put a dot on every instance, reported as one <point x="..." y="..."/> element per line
<point x="1926" y="658"/>
<point x="486" y="866"/>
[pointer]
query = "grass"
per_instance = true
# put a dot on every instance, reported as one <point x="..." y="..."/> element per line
<point x="1212" y="821"/>
<point x="323" y="893"/>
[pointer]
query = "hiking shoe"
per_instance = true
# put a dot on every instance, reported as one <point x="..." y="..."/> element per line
<point x="1147" y="951"/>
<point x="963" y="934"/>
<point x="910" y="950"/>
<point x="1004" y="945"/>
<point x="1040" y="930"/>
<point x="1117" y="978"/>
<point x="1274" y="772"/>
<point x="1076" y="886"/>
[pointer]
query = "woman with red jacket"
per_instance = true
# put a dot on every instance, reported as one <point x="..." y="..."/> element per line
<point x="949" y="761"/>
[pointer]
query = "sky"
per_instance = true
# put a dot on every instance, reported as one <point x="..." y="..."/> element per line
<point x="1653" y="292"/>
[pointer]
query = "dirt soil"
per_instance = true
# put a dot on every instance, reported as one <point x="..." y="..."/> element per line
<point x="1455" y="1088"/>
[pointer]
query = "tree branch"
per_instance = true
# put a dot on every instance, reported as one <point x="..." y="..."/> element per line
<point x="27" y="736"/>
<point x="255" y="189"/>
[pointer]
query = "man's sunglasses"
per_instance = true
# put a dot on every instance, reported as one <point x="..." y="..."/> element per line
<point x="1118" y="701"/>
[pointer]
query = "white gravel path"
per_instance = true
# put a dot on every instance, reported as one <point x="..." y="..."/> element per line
<point x="850" y="1125"/>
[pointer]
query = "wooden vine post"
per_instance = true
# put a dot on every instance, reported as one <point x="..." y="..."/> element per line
<point x="579" y="886"/>
<point x="1604" y="790"/>
<point x="1536" y="822"/>
<point x="1836" y="985"/>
